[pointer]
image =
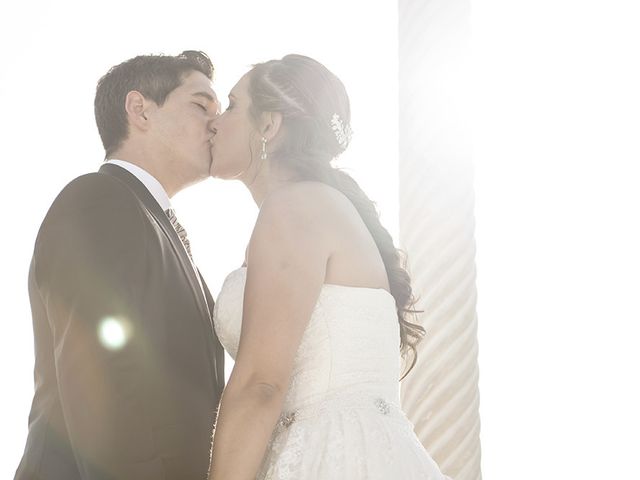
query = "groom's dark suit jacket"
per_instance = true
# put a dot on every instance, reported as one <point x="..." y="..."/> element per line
<point x="108" y="267"/>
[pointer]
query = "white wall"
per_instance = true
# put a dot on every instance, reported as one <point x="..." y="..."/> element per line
<point x="556" y="140"/>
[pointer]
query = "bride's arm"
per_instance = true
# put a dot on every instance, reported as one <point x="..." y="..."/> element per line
<point x="288" y="253"/>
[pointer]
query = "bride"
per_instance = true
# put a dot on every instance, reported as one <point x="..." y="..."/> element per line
<point x="315" y="316"/>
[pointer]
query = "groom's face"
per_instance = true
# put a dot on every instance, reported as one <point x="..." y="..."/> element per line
<point x="182" y="128"/>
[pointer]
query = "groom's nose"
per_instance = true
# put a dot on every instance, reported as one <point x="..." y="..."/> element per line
<point x="214" y="117"/>
<point x="211" y="125"/>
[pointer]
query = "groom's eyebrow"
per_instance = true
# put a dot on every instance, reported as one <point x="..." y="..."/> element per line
<point x="206" y="95"/>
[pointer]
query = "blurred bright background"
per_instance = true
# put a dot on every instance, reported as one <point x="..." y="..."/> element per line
<point x="556" y="127"/>
<point x="556" y="134"/>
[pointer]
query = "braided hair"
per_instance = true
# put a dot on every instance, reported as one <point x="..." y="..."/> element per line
<point x="316" y="116"/>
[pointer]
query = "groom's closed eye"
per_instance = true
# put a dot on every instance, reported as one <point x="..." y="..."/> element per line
<point x="207" y="102"/>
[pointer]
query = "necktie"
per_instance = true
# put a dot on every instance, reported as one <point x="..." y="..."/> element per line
<point x="182" y="233"/>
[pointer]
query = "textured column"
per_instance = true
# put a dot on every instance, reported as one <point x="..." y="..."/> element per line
<point x="440" y="395"/>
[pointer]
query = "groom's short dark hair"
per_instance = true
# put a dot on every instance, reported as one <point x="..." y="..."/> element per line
<point x="154" y="76"/>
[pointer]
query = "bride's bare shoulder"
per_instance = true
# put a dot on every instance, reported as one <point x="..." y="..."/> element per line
<point x="305" y="212"/>
<point x="307" y="198"/>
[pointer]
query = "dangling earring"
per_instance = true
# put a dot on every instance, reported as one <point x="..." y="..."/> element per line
<point x="263" y="155"/>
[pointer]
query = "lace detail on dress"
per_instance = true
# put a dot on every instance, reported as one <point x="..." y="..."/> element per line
<point x="341" y="418"/>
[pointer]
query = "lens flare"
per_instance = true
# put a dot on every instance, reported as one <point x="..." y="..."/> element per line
<point x="113" y="333"/>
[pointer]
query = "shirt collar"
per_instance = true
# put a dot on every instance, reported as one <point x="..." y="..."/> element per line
<point x="148" y="180"/>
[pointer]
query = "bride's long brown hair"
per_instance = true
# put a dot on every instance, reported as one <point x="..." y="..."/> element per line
<point x="308" y="96"/>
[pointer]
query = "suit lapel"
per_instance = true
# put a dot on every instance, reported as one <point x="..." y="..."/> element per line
<point x="161" y="218"/>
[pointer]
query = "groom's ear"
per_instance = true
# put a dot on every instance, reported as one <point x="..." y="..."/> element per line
<point x="271" y="123"/>
<point x="137" y="108"/>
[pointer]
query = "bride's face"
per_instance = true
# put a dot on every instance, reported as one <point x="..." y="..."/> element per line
<point x="236" y="140"/>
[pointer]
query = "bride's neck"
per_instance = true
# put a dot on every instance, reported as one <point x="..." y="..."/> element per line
<point x="267" y="181"/>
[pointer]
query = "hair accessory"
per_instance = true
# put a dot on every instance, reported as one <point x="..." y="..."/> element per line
<point x="263" y="154"/>
<point x="343" y="133"/>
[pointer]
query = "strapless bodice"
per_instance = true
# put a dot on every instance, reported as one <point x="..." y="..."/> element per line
<point x="351" y="344"/>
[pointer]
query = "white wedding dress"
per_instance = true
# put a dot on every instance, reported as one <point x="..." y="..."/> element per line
<point x="341" y="417"/>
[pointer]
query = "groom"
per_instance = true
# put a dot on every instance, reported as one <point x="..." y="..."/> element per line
<point x="128" y="371"/>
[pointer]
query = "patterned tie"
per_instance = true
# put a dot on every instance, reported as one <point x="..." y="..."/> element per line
<point x="182" y="233"/>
